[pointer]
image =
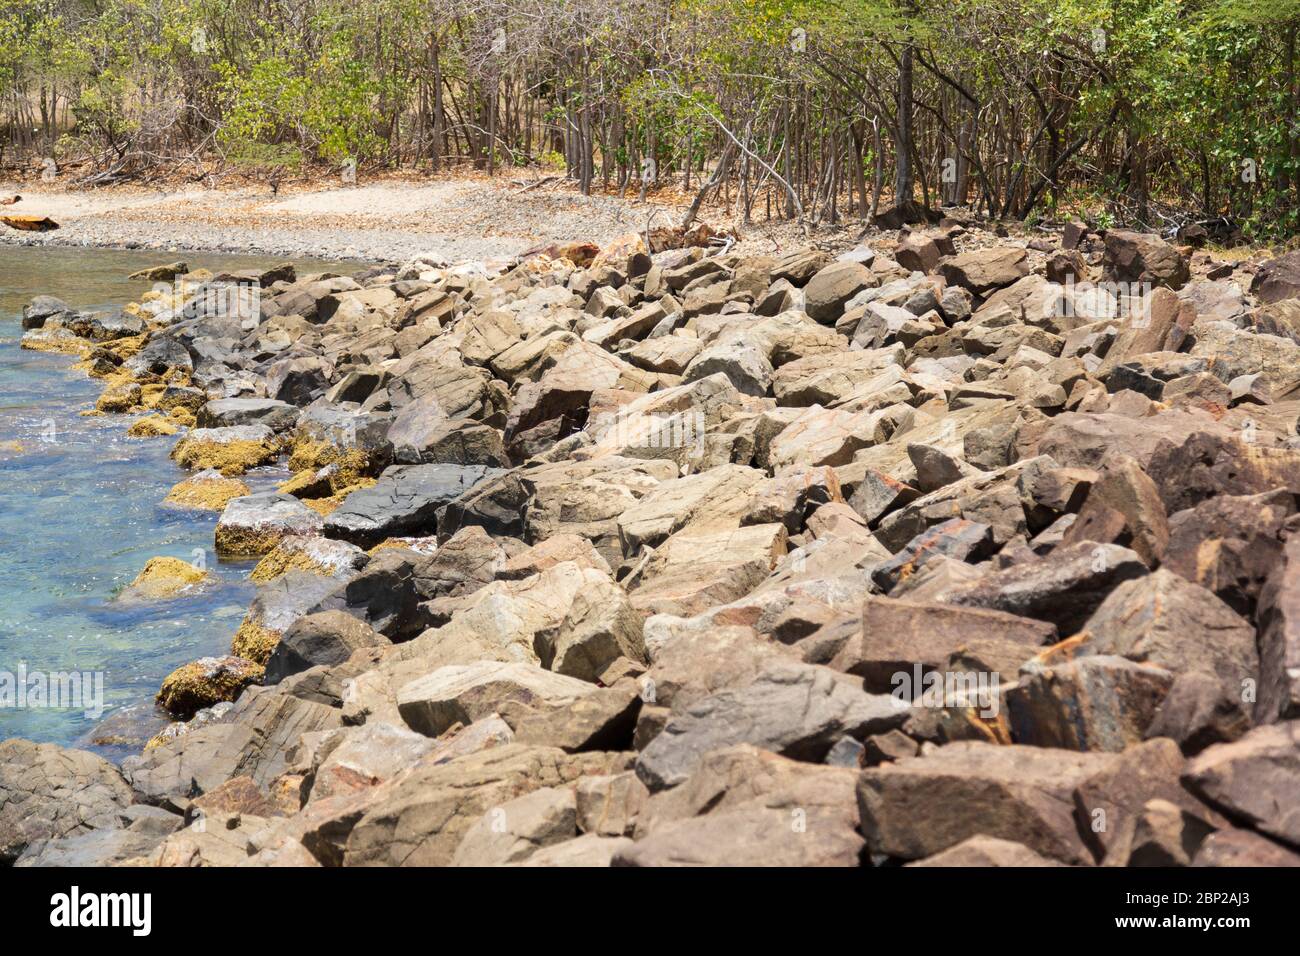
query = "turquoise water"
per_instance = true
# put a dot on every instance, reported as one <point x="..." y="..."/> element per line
<point x="80" y="515"/>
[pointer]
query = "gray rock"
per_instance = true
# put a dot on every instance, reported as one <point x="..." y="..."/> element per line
<point x="49" y="792"/>
<point x="405" y="501"/>
<point x="796" y="710"/>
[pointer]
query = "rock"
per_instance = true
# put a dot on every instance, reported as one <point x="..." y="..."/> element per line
<point x="161" y="273"/>
<point x="899" y="636"/>
<point x="600" y="627"/>
<point x="827" y="379"/>
<point x="833" y="286"/>
<point x="298" y="381"/>
<point x="163" y="577"/>
<point x="50" y="793"/>
<point x="1125" y="489"/>
<point x="1229" y="545"/>
<point x="829" y="436"/>
<point x="1109" y="802"/>
<point x="422" y="820"/>
<point x="746" y="806"/>
<point x="160" y="356"/>
<point x="233" y="412"/>
<point x="206" y="491"/>
<point x="694" y="570"/>
<point x="740" y="358"/>
<point x="119" y="398"/>
<point x="608" y="806"/>
<point x="917" y="253"/>
<point x="1142" y="258"/>
<point x="796" y="710"/>
<point x="1242" y="848"/>
<point x="328" y="637"/>
<point x="463" y="693"/>
<point x="252" y="738"/>
<point x="518" y="828"/>
<point x="96" y="848"/>
<point x="676" y="503"/>
<point x="312" y="554"/>
<point x="545" y="555"/>
<point x="698" y="662"/>
<point x="984" y="851"/>
<point x="277" y="605"/>
<point x="383" y="594"/>
<point x="604" y="719"/>
<point x="42" y="308"/>
<point x="505" y="620"/>
<point x="1253" y="779"/>
<point x="231" y="451"/>
<point x="1064" y="588"/>
<point x="1163" y="834"/>
<point x="1092" y="703"/>
<point x="421" y="437"/>
<point x="405" y="501"/>
<point x="205" y="682"/>
<point x="1278" y="618"/>
<point x="1277" y="279"/>
<point x="1164" y="620"/>
<point x="353" y="760"/>
<point x="921" y="806"/>
<point x="255" y="524"/>
<point x="1206" y="466"/>
<point x="956" y="538"/>
<point x="985" y="270"/>
<point x="152" y="426"/>
<point x="588" y="850"/>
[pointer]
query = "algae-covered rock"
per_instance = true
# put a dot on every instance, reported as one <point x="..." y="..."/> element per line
<point x="255" y="524"/>
<point x="206" y="491"/>
<point x="279" y="603"/>
<point x="163" y="577"/>
<point x="52" y="337"/>
<point x="119" y="397"/>
<point x="231" y="451"/>
<point x="309" y="553"/>
<point x="207" y="681"/>
<point x="152" y="426"/>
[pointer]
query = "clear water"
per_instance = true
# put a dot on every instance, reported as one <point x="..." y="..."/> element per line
<point x="80" y="514"/>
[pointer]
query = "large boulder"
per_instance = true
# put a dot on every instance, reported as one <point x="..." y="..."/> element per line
<point x="253" y="525"/>
<point x="462" y="694"/>
<point x="48" y="792"/>
<point x="1254" y="779"/>
<point x="828" y="290"/>
<point x="797" y="710"/>
<point x="327" y="637"/>
<point x="1278" y="279"/>
<point x="404" y="501"/>
<point x="422" y="819"/>
<point x="919" y="806"/>
<point x="986" y="270"/>
<point x="1142" y="257"/>
<point x="1164" y="620"/>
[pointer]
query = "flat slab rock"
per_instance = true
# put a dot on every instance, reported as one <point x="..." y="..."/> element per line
<point x="797" y="710"/>
<point x="462" y="694"/>
<point x="404" y="501"/>
<point x="47" y="791"/>
<point x="918" y="807"/>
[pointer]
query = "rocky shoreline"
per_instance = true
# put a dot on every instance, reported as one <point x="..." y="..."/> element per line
<point x="957" y="549"/>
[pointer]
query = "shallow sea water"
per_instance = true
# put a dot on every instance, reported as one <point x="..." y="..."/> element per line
<point x="81" y="513"/>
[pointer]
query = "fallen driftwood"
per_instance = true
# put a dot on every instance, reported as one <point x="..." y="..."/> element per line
<point x="30" y="223"/>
